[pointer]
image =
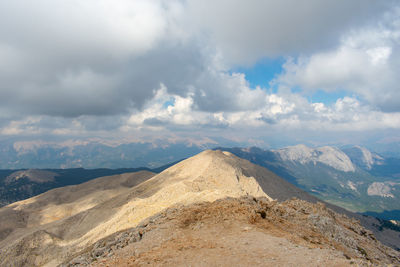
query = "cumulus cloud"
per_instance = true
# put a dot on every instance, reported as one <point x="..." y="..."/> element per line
<point x="365" y="63"/>
<point x="71" y="58"/>
<point x="279" y="111"/>
<point x="282" y="116"/>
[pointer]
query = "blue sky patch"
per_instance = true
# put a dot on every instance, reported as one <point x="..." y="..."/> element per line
<point x="168" y="103"/>
<point x="326" y="97"/>
<point x="261" y="73"/>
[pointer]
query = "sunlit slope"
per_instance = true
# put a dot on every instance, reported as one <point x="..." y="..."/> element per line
<point x="48" y="231"/>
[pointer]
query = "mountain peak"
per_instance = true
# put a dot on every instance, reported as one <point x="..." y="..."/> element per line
<point x="362" y="157"/>
<point x="327" y="155"/>
<point x="296" y="153"/>
<point x="217" y="172"/>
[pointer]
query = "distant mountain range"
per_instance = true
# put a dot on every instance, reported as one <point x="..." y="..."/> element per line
<point x="354" y="178"/>
<point x="92" y="154"/>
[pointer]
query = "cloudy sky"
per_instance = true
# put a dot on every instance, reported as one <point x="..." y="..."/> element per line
<point x="262" y="72"/>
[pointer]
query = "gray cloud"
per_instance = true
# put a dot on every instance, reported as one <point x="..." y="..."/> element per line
<point x="82" y="68"/>
<point x="68" y="65"/>
<point x="64" y="58"/>
<point x="68" y="58"/>
<point x="246" y="31"/>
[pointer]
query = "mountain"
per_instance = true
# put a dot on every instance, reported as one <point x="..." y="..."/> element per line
<point x="205" y="177"/>
<point x="93" y="154"/>
<point x="353" y="178"/>
<point x="329" y="156"/>
<point x="363" y="158"/>
<point x="375" y="164"/>
<point x="80" y="223"/>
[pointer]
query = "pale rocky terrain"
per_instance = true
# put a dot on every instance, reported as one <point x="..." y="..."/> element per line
<point x="383" y="189"/>
<point x="186" y="221"/>
<point x="42" y="231"/>
<point x="243" y="231"/>
<point x="42" y="225"/>
<point x="64" y="202"/>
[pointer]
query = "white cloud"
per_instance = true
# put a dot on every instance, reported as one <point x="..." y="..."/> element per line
<point x="71" y="58"/>
<point x="164" y="108"/>
<point x="379" y="55"/>
<point x="365" y="63"/>
<point x="279" y="111"/>
<point x="26" y="126"/>
<point x="173" y="115"/>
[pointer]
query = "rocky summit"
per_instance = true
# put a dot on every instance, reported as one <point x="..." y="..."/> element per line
<point x="211" y="209"/>
<point x="244" y="231"/>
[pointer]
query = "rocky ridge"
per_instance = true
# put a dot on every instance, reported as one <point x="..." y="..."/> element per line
<point x="327" y="155"/>
<point x="241" y="231"/>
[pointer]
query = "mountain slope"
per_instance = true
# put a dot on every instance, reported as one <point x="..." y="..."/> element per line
<point x="64" y="202"/>
<point x="207" y="176"/>
<point x="16" y="185"/>
<point x="363" y="158"/>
